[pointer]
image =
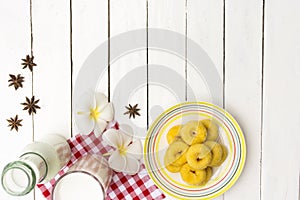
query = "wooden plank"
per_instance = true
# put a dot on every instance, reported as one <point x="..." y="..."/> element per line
<point x="52" y="76"/>
<point x="166" y="70"/>
<point x="281" y="101"/>
<point x="243" y="40"/>
<point x="52" y="83"/>
<point x="128" y="75"/>
<point x="15" y="45"/>
<point x="205" y="28"/>
<point x="90" y="23"/>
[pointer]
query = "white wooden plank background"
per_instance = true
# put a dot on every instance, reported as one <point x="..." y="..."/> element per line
<point x="205" y="27"/>
<point x="51" y="47"/>
<point x="243" y="64"/>
<point x="281" y="111"/>
<point x="126" y="16"/>
<point x="254" y="45"/>
<point x="169" y="15"/>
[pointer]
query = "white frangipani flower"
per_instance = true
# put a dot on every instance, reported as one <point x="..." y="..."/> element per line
<point x="93" y="112"/>
<point x="127" y="152"/>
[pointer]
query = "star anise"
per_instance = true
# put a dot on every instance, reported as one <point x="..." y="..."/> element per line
<point x="14" y="123"/>
<point x="16" y="81"/>
<point x="28" y="62"/>
<point x="31" y="105"/>
<point x="132" y="111"/>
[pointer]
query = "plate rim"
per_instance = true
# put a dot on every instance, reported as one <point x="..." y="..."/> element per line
<point x="240" y="135"/>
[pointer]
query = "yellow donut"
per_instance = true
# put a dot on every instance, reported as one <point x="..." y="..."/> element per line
<point x="217" y="152"/>
<point x="173" y="134"/>
<point x="209" y="173"/>
<point x="192" y="176"/>
<point x="193" y="132"/>
<point x="212" y="129"/>
<point x="172" y="168"/>
<point x="224" y="156"/>
<point x="198" y="156"/>
<point x="175" y="151"/>
<point x="180" y="161"/>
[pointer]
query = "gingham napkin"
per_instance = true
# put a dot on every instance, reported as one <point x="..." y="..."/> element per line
<point x="122" y="186"/>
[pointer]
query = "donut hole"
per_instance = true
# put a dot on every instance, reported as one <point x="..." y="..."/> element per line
<point x="178" y="153"/>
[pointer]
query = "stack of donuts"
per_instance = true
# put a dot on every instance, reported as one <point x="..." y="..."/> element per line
<point x="194" y="151"/>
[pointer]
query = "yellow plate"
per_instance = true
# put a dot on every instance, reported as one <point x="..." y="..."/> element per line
<point x="230" y="134"/>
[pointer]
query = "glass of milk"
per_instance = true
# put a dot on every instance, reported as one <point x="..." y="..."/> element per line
<point x="38" y="163"/>
<point x="88" y="178"/>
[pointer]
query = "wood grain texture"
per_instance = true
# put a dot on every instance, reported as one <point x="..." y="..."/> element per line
<point x="204" y="27"/>
<point x="128" y="69"/>
<point x="52" y="75"/>
<point x="243" y="38"/>
<point x="15" y="45"/>
<point x="164" y="89"/>
<point x="281" y="101"/>
<point x="90" y="29"/>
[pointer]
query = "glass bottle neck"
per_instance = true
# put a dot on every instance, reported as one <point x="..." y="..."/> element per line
<point x="20" y="177"/>
<point x="37" y="163"/>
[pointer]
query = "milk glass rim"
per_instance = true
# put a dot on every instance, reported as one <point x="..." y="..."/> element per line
<point x="77" y="171"/>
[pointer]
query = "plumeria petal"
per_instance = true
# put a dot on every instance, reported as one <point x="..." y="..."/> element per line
<point x="127" y="154"/>
<point x="132" y="165"/>
<point x="117" y="162"/>
<point x="107" y="113"/>
<point x="112" y="138"/>
<point x="84" y="123"/>
<point x="100" y="126"/>
<point x="135" y="149"/>
<point x="126" y="138"/>
<point x="86" y="102"/>
<point x="101" y="100"/>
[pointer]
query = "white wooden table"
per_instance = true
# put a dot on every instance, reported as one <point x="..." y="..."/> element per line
<point x="254" y="45"/>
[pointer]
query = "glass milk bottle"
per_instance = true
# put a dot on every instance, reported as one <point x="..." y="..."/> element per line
<point x="38" y="163"/>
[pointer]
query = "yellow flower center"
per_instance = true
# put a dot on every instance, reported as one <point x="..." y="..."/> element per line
<point x="122" y="150"/>
<point x="94" y="113"/>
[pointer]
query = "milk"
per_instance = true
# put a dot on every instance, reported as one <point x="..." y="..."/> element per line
<point x="78" y="186"/>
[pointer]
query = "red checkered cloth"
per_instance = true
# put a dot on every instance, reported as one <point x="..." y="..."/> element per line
<point x="122" y="186"/>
